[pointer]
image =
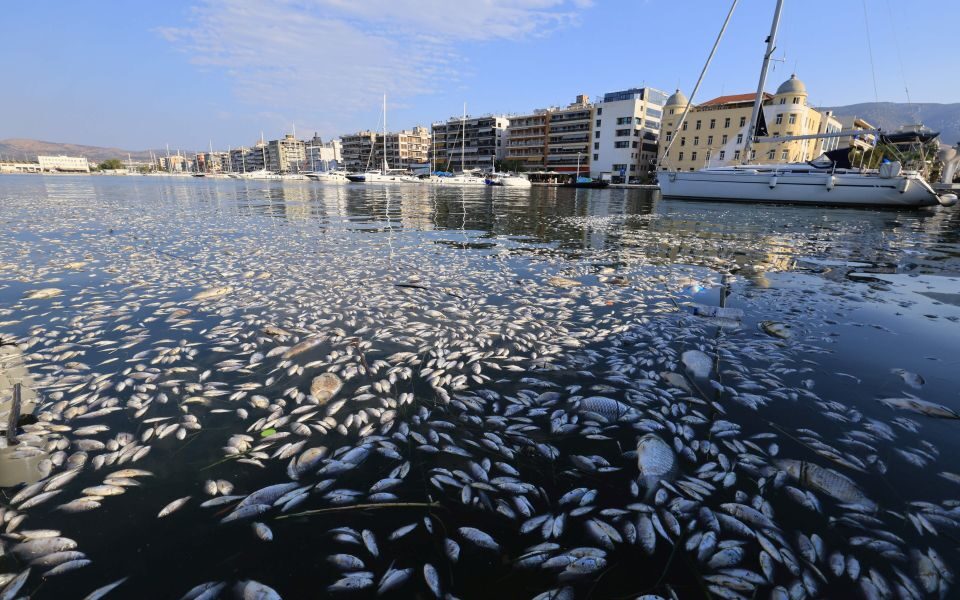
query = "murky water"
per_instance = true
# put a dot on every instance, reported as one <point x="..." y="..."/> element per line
<point x="467" y="327"/>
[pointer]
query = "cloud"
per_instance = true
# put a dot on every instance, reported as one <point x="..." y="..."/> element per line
<point x="322" y="61"/>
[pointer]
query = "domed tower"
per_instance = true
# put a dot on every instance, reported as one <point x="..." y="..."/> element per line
<point x="791" y="91"/>
<point x="676" y="103"/>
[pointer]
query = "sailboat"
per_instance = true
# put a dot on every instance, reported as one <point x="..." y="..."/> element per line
<point x="463" y="178"/>
<point x="825" y="181"/>
<point x="261" y="173"/>
<point x="385" y="174"/>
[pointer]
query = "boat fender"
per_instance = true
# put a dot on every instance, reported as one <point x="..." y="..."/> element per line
<point x="773" y="182"/>
<point x="831" y="182"/>
<point x="948" y="199"/>
<point x="904" y="185"/>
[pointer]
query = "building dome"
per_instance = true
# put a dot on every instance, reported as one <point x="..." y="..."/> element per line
<point x="792" y="86"/>
<point x="677" y="99"/>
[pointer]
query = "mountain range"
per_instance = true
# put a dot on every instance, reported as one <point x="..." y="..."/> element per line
<point x="944" y="118"/>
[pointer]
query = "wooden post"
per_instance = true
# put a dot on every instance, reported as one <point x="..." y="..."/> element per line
<point x="14" y="416"/>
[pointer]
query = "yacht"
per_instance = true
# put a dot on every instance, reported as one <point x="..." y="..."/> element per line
<point x="463" y="179"/>
<point x="509" y="180"/>
<point x="826" y="181"/>
<point x="385" y="174"/>
<point x="259" y="174"/>
<point x="337" y="176"/>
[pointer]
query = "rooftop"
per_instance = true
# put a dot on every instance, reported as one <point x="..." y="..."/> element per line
<point x="734" y="99"/>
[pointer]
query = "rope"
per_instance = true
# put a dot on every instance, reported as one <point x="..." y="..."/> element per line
<point x="693" y="94"/>
<point x="873" y="71"/>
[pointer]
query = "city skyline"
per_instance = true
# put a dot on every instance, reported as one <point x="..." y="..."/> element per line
<point x="188" y="73"/>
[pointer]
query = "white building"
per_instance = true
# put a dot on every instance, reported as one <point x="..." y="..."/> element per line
<point x="75" y="164"/>
<point x="323" y="156"/>
<point x="625" y="132"/>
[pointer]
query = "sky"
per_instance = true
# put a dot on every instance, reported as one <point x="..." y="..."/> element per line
<point x="188" y="73"/>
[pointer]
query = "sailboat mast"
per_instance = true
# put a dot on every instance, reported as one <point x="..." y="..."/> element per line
<point x="263" y="151"/>
<point x="463" y="140"/>
<point x="758" y="101"/>
<point x="384" y="134"/>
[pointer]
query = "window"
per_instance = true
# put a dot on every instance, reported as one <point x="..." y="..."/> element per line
<point x="713" y="123"/>
<point x="669" y="137"/>
<point x="596" y="157"/>
<point x="736" y="155"/>
<point x="723" y="140"/>
<point x="680" y="156"/>
<point x="739" y="138"/>
<point x="693" y="156"/>
<point x="753" y="155"/>
<point x="709" y="154"/>
<point x="623" y="120"/>
<point x="633" y="167"/>
<point x="709" y="140"/>
<point x="683" y="141"/>
<point x="780" y="119"/>
<point x="684" y="125"/>
<point x="599" y="110"/>
<point x="771" y="154"/>
<point x="671" y="111"/>
<point x="698" y="124"/>
<point x="596" y="134"/>
<point x="621" y="144"/>
<point x="722" y="154"/>
<point x="623" y="132"/>
<point x="596" y="145"/>
<point x="726" y="122"/>
<point x="696" y="140"/>
<point x="796" y="100"/>
<point x="635" y="144"/>
<point x="792" y="120"/>
<point x="783" y="100"/>
<point x="783" y="155"/>
<point x="743" y="121"/>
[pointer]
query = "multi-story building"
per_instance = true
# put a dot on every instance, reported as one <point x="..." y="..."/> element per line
<point x="467" y="144"/>
<point x="626" y="127"/>
<point x="287" y="155"/>
<point x="526" y="140"/>
<point x="407" y="149"/>
<point x="714" y="132"/>
<point x="213" y="162"/>
<point x="175" y="163"/>
<point x="322" y="156"/>
<point x="862" y="141"/>
<point x="569" y="138"/>
<point x="64" y="163"/>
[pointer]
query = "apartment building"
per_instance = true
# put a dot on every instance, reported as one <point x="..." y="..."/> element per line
<point x="862" y="141"/>
<point x="526" y="140"/>
<point x="407" y="149"/>
<point x="76" y="164"/>
<point x="626" y="128"/>
<point x="568" y="138"/>
<point x="323" y="155"/>
<point x="287" y="155"/>
<point x="714" y="132"/>
<point x="467" y="144"/>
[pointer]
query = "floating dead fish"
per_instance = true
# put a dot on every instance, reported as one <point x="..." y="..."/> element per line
<point x="777" y="330"/>
<point x="43" y="294"/>
<point x="923" y="407"/>
<point x="912" y="379"/>
<point x="212" y="293"/>
<point x="325" y="386"/>
<point x="697" y="363"/>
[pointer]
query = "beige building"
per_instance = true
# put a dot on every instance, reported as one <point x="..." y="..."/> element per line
<point x="714" y="132"/>
<point x="406" y="149"/>
<point x="863" y="141"/>
<point x="553" y="139"/>
<point x="288" y="155"/>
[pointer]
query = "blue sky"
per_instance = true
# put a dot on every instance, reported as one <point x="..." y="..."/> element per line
<point x="140" y="75"/>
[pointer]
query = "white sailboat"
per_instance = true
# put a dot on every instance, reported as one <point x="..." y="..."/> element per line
<point x="385" y="174"/>
<point x="261" y="173"/>
<point x="815" y="182"/>
<point x="464" y="178"/>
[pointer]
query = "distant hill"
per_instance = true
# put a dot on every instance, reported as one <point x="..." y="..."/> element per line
<point x="944" y="118"/>
<point x="17" y="149"/>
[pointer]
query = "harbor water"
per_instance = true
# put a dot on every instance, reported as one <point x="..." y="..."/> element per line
<point x="419" y="391"/>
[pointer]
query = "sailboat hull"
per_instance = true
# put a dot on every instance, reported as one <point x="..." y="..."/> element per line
<point x="817" y="188"/>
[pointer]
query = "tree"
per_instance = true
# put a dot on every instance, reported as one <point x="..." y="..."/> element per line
<point x="111" y="164"/>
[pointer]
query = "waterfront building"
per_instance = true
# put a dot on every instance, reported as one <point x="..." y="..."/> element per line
<point x="323" y="155"/>
<point x="19" y="167"/>
<point x="287" y="155"/>
<point x="626" y="127"/>
<point x="863" y="141"/>
<point x="467" y="144"/>
<point x="61" y="163"/>
<point x="714" y="132"/>
<point x="213" y="162"/>
<point x="552" y="140"/>
<point x="407" y="149"/>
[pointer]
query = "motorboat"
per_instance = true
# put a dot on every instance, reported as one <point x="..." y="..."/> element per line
<point x="586" y="183"/>
<point x="338" y="176"/>
<point x="509" y="180"/>
<point x="259" y="174"/>
<point x="384" y="176"/>
<point x="458" y="179"/>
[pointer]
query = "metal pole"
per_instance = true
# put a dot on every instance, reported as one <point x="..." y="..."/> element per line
<point x="14" y="415"/>
<point x="758" y="102"/>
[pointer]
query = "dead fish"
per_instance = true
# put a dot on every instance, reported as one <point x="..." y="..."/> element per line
<point x="325" y="386"/>
<point x="698" y="363"/>
<point x="825" y="480"/>
<point x="173" y="506"/>
<point x="923" y="407"/>
<point x="254" y="590"/>
<point x="563" y="282"/>
<point x="100" y="592"/>
<point x="214" y="292"/>
<point x="43" y="294"/>
<point x="912" y="379"/>
<point x="655" y="458"/>
<point x="775" y="329"/>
